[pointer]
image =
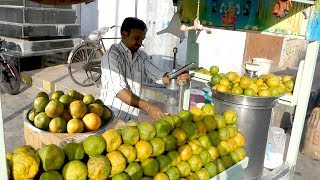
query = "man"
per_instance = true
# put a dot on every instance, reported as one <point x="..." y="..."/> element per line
<point x="124" y="67"/>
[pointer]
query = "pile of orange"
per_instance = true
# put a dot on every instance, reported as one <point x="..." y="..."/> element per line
<point x="69" y="112"/>
<point x="264" y="85"/>
<point x="194" y="144"/>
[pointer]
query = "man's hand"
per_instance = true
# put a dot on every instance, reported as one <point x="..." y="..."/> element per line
<point x="155" y="112"/>
<point x="184" y="77"/>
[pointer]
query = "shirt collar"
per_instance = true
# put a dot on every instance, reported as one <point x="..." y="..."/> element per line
<point x="126" y="49"/>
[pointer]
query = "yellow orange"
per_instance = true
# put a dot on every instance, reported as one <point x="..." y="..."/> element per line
<point x="264" y="92"/>
<point x="240" y="140"/>
<point x="244" y="82"/>
<point x="225" y="82"/>
<point x="274" y="91"/>
<point x="263" y="86"/>
<point x="231" y="76"/>
<point x="289" y="85"/>
<point x="91" y="121"/>
<point x="273" y="81"/>
<point x="232" y="144"/>
<point x="286" y="78"/>
<point x="237" y="79"/>
<point x="215" y="87"/>
<point x="249" y="92"/>
<point x="197" y="114"/>
<point x="254" y="87"/>
<point x="222" y="88"/>
<point x="267" y="76"/>
<point x="75" y="126"/>
<point x="281" y="88"/>
<point x="237" y="90"/>
<point x="259" y="82"/>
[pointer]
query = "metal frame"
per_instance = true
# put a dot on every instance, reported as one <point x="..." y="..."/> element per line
<point x="3" y="160"/>
<point x="299" y="99"/>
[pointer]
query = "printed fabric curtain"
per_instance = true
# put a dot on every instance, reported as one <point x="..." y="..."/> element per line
<point x="62" y="2"/>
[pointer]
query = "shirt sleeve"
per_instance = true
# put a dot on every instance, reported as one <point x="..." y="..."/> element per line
<point x="112" y="70"/>
<point x="152" y="71"/>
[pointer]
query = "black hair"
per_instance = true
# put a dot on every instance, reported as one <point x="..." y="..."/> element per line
<point x="132" y="23"/>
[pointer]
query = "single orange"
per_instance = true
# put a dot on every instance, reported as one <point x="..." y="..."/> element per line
<point x="215" y="79"/>
<point x="263" y="86"/>
<point x="264" y="92"/>
<point x="249" y="92"/>
<point x="232" y="144"/>
<point x="274" y="91"/>
<point x="225" y="82"/>
<point x="91" y="121"/>
<point x="281" y="88"/>
<point x="286" y="78"/>
<point x="231" y="76"/>
<point x="215" y="87"/>
<point x="254" y="87"/>
<point x="244" y="82"/>
<point x="259" y="82"/>
<point x="222" y="88"/>
<point x="237" y="79"/>
<point x="273" y="81"/>
<point x="240" y="140"/>
<point x="222" y="75"/>
<point x="289" y="85"/>
<point x="237" y="90"/>
<point x="75" y="126"/>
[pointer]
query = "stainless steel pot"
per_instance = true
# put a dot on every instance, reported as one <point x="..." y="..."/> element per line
<point x="254" y="114"/>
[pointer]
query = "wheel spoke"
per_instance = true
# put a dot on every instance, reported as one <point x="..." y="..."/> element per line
<point x="81" y="64"/>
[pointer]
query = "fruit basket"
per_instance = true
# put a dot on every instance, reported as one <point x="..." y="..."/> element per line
<point x="38" y="138"/>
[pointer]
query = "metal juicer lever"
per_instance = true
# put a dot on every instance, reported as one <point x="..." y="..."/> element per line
<point x="176" y="73"/>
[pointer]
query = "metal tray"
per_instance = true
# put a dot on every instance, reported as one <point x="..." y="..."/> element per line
<point x="78" y="136"/>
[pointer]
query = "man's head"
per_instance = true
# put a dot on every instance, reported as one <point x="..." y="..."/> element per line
<point x="133" y="32"/>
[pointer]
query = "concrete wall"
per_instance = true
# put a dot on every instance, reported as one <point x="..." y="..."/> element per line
<point x="89" y="16"/>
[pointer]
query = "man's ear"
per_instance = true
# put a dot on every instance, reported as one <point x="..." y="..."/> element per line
<point x="125" y="34"/>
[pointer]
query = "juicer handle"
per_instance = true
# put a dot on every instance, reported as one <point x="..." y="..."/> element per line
<point x="176" y="73"/>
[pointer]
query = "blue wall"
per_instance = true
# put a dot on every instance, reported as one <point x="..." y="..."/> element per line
<point x="313" y="29"/>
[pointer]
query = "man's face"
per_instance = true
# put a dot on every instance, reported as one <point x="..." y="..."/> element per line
<point x="133" y="39"/>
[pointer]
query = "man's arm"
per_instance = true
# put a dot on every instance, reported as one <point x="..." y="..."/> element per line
<point x="133" y="100"/>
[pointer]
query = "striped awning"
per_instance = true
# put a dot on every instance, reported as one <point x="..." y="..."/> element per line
<point x="62" y="2"/>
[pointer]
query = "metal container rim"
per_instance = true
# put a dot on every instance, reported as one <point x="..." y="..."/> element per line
<point x="35" y="129"/>
<point x="269" y="101"/>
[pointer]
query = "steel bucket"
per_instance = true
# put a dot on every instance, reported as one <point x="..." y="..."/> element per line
<point x="254" y="114"/>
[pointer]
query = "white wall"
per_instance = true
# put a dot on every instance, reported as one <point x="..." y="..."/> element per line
<point x="89" y="17"/>
<point x="223" y="48"/>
